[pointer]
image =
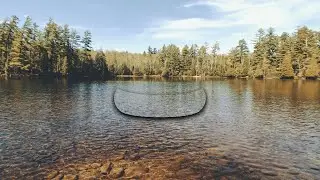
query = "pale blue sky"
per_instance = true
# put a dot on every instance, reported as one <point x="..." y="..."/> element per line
<point x="133" y="25"/>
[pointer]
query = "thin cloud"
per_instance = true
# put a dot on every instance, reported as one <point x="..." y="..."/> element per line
<point x="195" y="23"/>
<point x="175" y="35"/>
<point x="263" y="13"/>
<point x="250" y="15"/>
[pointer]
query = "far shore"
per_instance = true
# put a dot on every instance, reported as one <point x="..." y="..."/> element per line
<point x="32" y="76"/>
<point x="211" y="77"/>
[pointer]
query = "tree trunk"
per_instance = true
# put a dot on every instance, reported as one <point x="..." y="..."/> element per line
<point x="6" y="70"/>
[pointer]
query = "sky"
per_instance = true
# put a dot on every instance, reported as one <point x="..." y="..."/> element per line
<point x="133" y="25"/>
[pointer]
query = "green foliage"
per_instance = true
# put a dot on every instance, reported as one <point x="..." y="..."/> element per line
<point x="259" y="51"/>
<point x="313" y="68"/>
<point x="286" y="67"/>
<point x="272" y="43"/>
<point x="306" y="41"/>
<point x="16" y="52"/>
<point x="173" y="60"/>
<point x="100" y="65"/>
<point x="57" y="49"/>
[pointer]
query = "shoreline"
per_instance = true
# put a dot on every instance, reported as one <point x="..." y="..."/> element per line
<point x="212" y="77"/>
<point x="212" y="163"/>
<point x="80" y="77"/>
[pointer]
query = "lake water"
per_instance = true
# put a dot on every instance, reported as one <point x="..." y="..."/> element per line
<point x="269" y="126"/>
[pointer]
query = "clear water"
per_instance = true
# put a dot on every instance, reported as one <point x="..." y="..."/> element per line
<point x="267" y="125"/>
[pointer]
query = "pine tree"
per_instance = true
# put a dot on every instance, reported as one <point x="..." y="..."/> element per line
<point x="193" y="55"/>
<point x="241" y="60"/>
<point x="16" y="56"/>
<point x="9" y="33"/>
<point x="186" y="60"/>
<point x="272" y="48"/>
<point x="258" y="53"/>
<point x="284" y="45"/>
<point x="161" y="56"/>
<point x="173" y="67"/>
<point x="27" y="48"/>
<point x="86" y="53"/>
<point x="312" y="71"/>
<point x="36" y="49"/>
<point x="232" y="63"/>
<point x="155" y="51"/>
<point x="100" y="64"/>
<point x="206" y="62"/>
<point x="2" y="44"/>
<point x="51" y="44"/>
<point x="202" y="55"/>
<point x="74" y="65"/>
<point x="214" y="57"/>
<point x="242" y="51"/>
<point x="286" y="67"/>
<point x="150" y="50"/>
<point x="305" y="42"/>
<point x="65" y="50"/>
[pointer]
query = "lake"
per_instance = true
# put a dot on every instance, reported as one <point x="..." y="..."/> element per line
<point x="255" y="129"/>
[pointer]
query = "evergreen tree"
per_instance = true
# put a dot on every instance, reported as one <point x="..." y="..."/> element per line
<point x="284" y="45"/>
<point x="86" y="52"/>
<point x="312" y="71"/>
<point x="16" y="57"/>
<point x="186" y="60"/>
<point x="202" y="55"/>
<point x="162" y="55"/>
<point x="51" y="44"/>
<point x="59" y="50"/>
<point x="305" y="43"/>
<point x="154" y="51"/>
<point x="172" y="63"/>
<point x="193" y="55"/>
<point x="150" y="50"/>
<point x="272" y="48"/>
<point x="100" y="64"/>
<point x="8" y="36"/>
<point x="214" y="60"/>
<point x="241" y="59"/>
<point x="258" y="53"/>
<point x="27" y="48"/>
<point x="74" y="64"/>
<point x="286" y="67"/>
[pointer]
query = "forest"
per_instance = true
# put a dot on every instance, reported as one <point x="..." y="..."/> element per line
<point x="59" y="51"/>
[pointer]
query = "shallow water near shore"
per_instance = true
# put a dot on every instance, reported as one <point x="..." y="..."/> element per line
<point x="263" y="129"/>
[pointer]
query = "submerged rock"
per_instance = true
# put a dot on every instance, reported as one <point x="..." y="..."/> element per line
<point x="106" y="168"/>
<point x="136" y="171"/>
<point x="89" y="174"/>
<point x="209" y="164"/>
<point x="269" y="172"/>
<point x="58" y="177"/>
<point x="70" y="177"/>
<point x="134" y="157"/>
<point x="52" y="175"/>
<point x="95" y="165"/>
<point x="117" y="172"/>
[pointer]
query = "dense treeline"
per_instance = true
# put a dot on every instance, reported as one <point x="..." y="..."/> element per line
<point x="55" y="50"/>
<point x="60" y="50"/>
<point x="283" y="56"/>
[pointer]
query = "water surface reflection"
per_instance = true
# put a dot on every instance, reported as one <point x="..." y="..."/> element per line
<point x="268" y="126"/>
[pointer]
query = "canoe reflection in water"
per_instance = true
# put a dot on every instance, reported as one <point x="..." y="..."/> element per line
<point x="160" y="105"/>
